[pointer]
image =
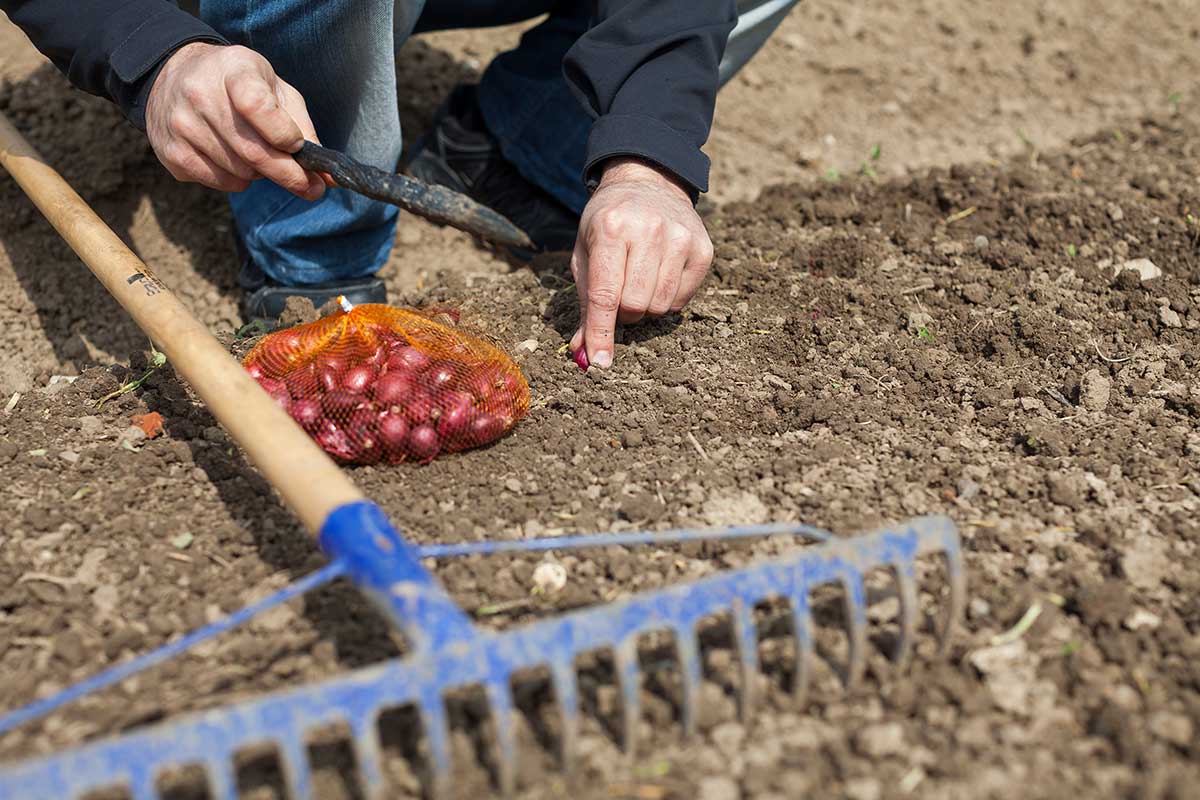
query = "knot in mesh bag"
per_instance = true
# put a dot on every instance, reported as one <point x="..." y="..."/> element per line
<point x="375" y="384"/>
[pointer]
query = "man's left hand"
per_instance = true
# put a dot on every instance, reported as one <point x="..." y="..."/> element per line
<point x="641" y="249"/>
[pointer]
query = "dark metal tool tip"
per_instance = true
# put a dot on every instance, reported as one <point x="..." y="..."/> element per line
<point x="436" y="203"/>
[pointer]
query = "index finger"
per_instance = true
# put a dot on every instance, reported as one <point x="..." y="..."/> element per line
<point x="605" y="281"/>
<point x="255" y="101"/>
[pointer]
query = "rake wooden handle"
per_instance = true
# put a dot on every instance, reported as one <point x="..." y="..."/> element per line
<point x="308" y="480"/>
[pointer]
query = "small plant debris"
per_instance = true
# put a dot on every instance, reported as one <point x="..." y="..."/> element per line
<point x="157" y="360"/>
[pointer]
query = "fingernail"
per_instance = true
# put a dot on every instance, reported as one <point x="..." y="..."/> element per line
<point x="603" y="359"/>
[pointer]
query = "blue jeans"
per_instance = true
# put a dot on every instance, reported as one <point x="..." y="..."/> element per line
<point x="340" y="55"/>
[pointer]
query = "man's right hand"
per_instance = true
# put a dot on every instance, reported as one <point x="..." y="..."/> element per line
<point x="220" y="116"/>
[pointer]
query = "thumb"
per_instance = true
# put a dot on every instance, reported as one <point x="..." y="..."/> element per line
<point x="293" y="103"/>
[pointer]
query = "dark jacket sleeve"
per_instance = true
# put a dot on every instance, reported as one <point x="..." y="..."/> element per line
<point x="647" y="72"/>
<point x="110" y="48"/>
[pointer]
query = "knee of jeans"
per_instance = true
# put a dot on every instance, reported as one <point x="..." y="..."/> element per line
<point x="296" y="242"/>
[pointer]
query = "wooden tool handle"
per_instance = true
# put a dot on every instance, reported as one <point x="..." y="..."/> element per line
<point x="308" y="480"/>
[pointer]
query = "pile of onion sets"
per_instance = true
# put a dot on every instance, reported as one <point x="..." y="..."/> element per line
<point x="373" y="395"/>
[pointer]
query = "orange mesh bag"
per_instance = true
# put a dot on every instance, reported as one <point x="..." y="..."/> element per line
<point x="376" y="384"/>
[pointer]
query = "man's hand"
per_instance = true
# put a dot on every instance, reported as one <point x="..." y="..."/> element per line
<point x="641" y="249"/>
<point x="220" y="116"/>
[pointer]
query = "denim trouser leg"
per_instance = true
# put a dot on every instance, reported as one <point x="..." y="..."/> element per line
<point x="541" y="128"/>
<point x="340" y="55"/>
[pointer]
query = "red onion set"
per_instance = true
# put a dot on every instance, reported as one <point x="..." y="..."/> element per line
<point x="368" y="399"/>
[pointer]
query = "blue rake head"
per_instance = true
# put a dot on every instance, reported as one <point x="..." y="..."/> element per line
<point x="449" y="654"/>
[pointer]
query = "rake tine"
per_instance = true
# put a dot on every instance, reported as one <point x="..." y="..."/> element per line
<point x="958" y="592"/>
<point x="506" y="750"/>
<point x="802" y="627"/>
<point x="906" y="587"/>
<point x="690" y="672"/>
<point x="294" y="762"/>
<point x="562" y="673"/>
<point x="365" y="733"/>
<point x="141" y="784"/>
<point x="437" y="731"/>
<point x="746" y="640"/>
<point x="629" y="678"/>
<point x="856" y="616"/>
<point x="222" y="784"/>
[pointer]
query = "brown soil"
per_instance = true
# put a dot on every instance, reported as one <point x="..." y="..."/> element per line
<point x="957" y="340"/>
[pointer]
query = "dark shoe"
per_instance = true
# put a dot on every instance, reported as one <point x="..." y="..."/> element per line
<point x="460" y="153"/>
<point x="263" y="300"/>
<point x="268" y="302"/>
